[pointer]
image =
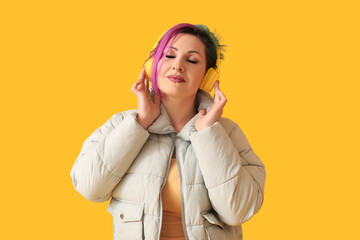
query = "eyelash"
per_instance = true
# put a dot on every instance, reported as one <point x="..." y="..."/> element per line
<point x="169" y="56"/>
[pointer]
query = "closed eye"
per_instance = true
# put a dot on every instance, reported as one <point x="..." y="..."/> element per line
<point x="169" y="56"/>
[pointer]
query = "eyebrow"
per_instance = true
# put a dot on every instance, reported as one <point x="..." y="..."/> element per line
<point x="193" y="51"/>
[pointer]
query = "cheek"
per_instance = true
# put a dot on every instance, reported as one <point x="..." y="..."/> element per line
<point x="164" y="68"/>
<point x="201" y="74"/>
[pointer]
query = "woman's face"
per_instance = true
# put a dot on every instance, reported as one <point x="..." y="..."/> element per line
<point x="186" y="59"/>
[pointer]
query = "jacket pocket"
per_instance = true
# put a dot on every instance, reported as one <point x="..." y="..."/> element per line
<point x="216" y="229"/>
<point x="128" y="219"/>
<point x="212" y="219"/>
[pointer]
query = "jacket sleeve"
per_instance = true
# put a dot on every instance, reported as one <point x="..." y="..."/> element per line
<point x="233" y="174"/>
<point x="106" y="156"/>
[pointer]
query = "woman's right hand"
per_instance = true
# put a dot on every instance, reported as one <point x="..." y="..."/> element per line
<point x="148" y="109"/>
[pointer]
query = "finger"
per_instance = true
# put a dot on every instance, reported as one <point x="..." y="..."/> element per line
<point x="147" y="85"/>
<point x="142" y="73"/>
<point x="216" y="91"/>
<point x="134" y="88"/>
<point x="222" y="96"/>
<point x="202" y="113"/>
<point x="216" y="85"/>
<point x="141" y="86"/>
<point x="138" y="83"/>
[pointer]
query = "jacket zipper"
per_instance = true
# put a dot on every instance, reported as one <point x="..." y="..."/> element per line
<point x="181" y="193"/>
<point x="162" y="186"/>
<point x="182" y="201"/>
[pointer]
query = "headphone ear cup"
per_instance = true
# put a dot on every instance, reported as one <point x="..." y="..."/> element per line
<point x="148" y="65"/>
<point x="209" y="79"/>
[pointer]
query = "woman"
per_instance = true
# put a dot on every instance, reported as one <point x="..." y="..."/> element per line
<point x="174" y="168"/>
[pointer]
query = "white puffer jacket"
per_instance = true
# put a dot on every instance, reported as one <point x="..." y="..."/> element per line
<point x="222" y="179"/>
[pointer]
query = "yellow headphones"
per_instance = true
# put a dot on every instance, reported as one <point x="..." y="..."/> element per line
<point x="210" y="77"/>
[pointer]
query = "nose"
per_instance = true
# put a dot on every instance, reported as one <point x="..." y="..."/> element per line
<point x="178" y="67"/>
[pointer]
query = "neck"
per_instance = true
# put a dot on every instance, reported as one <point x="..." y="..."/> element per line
<point x="179" y="110"/>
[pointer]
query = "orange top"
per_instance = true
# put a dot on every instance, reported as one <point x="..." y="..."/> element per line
<point x="172" y="228"/>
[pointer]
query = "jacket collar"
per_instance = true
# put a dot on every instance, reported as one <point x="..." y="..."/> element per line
<point x="162" y="124"/>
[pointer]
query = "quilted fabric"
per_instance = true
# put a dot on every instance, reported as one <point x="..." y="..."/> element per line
<point x="222" y="179"/>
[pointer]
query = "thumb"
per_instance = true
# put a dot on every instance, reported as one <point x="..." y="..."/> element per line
<point x="202" y="113"/>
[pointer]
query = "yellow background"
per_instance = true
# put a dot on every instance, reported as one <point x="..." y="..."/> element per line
<point x="291" y="76"/>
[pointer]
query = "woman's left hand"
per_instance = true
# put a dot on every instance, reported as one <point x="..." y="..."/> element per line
<point x="204" y="119"/>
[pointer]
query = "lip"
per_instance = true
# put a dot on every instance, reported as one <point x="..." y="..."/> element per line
<point x="176" y="78"/>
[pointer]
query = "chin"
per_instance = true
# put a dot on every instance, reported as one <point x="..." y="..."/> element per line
<point x="178" y="93"/>
<point x="177" y="90"/>
<point x="173" y="93"/>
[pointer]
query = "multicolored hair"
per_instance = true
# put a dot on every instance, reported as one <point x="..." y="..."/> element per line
<point x="210" y="40"/>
